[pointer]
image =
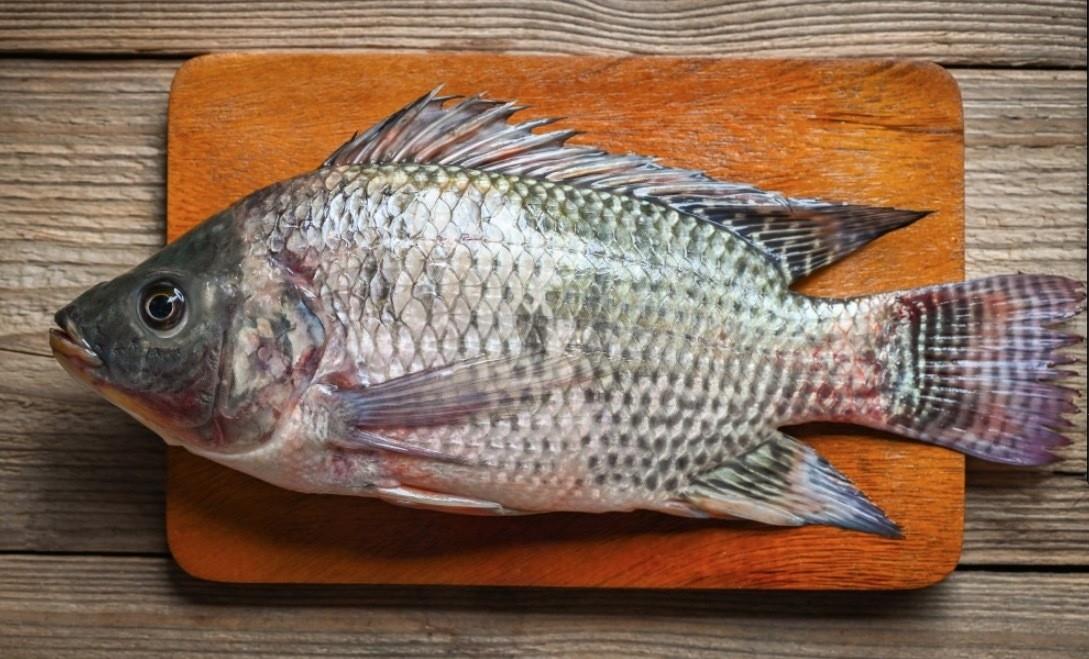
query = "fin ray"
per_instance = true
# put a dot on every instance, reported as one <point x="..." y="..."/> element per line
<point x="412" y="497"/>
<point x="798" y="235"/>
<point x="806" y="238"/>
<point x="362" y="440"/>
<point x="978" y="365"/>
<point x="786" y="483"/>
<point x="452" y="393"/>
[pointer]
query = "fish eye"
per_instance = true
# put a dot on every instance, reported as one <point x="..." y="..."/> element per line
<point x="162" y="306"/>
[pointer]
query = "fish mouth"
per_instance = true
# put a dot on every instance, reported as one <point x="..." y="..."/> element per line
<point x="70" y="348"/>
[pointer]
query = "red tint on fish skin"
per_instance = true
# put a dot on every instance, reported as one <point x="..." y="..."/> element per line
<point x="161" y="414"/>
<point x="302" y="267"/>
<point x="341" y="465"/>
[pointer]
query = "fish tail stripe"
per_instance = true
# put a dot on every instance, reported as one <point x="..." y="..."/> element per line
<point x="978" y="366"/>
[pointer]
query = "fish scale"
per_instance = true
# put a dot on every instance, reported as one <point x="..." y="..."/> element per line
<point x="664" y="323"/>
<point x="458" y="313"/>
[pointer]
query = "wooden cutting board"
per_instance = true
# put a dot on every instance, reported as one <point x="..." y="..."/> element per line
<point x="871" y="132"/>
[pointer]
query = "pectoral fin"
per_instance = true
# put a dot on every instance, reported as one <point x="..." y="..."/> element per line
<point x="786" y="483"/>
<point x="376" y="417"/>
<point x="448" y="394"/>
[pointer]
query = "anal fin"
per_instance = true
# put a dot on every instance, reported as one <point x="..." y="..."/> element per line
<point x="786" y="483"/>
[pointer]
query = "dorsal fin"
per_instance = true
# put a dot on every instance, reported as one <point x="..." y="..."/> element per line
<point x="804" y="238"/>
<point x="799" y="235"/>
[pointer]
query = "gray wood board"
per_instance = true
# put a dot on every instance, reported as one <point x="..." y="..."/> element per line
<point x="965" y="32"/>
<point x="90" y="607"/>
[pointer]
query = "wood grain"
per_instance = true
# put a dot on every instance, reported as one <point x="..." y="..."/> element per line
<point x="102" y="607"/>
<point x="82" y="155"/>
<point x="76" y="474"/>
<point x="866" y="132"/>
<point x="965" y="32"/>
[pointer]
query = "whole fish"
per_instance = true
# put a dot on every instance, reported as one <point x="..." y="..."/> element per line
<point x="458" y="313"/>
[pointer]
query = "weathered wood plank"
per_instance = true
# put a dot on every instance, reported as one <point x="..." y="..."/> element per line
<point x="81" y="177"/>
<point x="1025" y="178"/>
<point x="92" y="607"/>
<point x="1025" y="518"/>
<point x="965" y="32"/>
<point x="81" y="166"/>
<point x="76" y="474"/>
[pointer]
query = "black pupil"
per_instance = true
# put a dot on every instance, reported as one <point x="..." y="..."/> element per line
<point x="161" y="306"/>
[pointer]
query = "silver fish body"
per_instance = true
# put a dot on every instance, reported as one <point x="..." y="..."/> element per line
<point x="505" y="327"/>
<point x="697" y="348"/>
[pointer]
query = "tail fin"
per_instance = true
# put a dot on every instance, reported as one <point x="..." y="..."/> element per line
<point x="976" y="366"/>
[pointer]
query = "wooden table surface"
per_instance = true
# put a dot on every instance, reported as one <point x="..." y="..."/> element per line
<point x="83" y="566"/>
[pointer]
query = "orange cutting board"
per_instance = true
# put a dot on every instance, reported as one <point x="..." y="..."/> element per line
<point x="870" y="132"/>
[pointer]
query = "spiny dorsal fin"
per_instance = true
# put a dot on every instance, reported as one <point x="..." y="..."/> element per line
<point x="784" y="482"/>
<point x="799" y="235"/>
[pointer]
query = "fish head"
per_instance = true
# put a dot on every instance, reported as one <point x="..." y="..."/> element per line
<point x="151" y="341"/>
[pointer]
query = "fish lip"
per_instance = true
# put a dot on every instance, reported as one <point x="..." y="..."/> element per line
<point x="68" y="343"/>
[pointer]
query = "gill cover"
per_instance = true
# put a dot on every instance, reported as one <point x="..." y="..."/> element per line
<point x="272" y="349"/>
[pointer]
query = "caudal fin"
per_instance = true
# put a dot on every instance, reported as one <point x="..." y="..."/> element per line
<point x="977" y="365"/>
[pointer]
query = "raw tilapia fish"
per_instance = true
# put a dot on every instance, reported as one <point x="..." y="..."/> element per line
<point x="455" y="312"/>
